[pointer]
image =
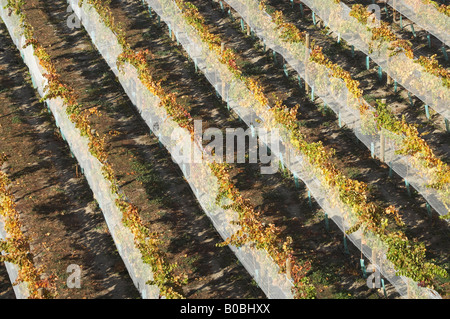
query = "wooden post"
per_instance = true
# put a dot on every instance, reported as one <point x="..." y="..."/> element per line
<point x="307" y="42"/>
<point x="41" y="293"/>
<point x="288" y="158"/>
<point x="382" y="140"/>
<point x="288" y="268"/>
<point x="374" y="257"/>
<point x="248" y="29"/>
<point x="307" y="46"/>
<point x="389" y="80"/>
<point x="222" y="50"/>
<point x="408" y="289"/>
<point x="374" y="264"/>
<point x="223" y="90"/>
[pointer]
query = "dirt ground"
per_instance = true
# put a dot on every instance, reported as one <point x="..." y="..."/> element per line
<point x="57" y="209"/>
<point x="152" y="181"/>
<point x="351" y="156"/>
<point x="280" y="202"/>
<point x="146" y="172"/>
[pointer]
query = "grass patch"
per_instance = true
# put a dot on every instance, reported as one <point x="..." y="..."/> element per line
<point x="16" y="120"/>
<point x="250" y="68"/>
<point x="369" y="98"/>
<point x="275" y="196"/>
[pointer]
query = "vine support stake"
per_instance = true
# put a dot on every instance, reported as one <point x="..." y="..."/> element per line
<point x="41" y="293"/>
<point x="281" y="161"/>
<point x="412" y="30"/>
<point x="307" y="45"/>
<point x="150" y="11"/>
<point x="401" y="22"/>
<point x="411" y="102"/>
<point x="367" y="62"/>
<point x="447" y="125"/>
<point x="395" y="86"/>
<point x="345" y="245"/>
<point x="221" y="6"/>
<point x="314" y="18"/>
<point x="309" y="199"/>
<point x="390" y="169"/>
<point x="285" y="70"/>
<point x="223" y="90"/>
<point x="327" y="224"/>
<point x="444" y="52"/>
<point x="408" y="292"/>
<point x="384" y="287"/>
<point x="429" y="40"/>
<point x="363" y="268"/>
<point x="428" y="209"/>
<point x="339" y="119"/>
<point x="380" y="73"/>
<point x="159" y="140"/>
<point x="302" y="11"/>
<point x="296" y="181"/>
<point x="288" y="268"/>
<point x="372" y="149"/>
<point x="407" y="187"/>
<point x="299" y="81"/>
<point x="427" y="111"/>
<point x="353" y="51"/>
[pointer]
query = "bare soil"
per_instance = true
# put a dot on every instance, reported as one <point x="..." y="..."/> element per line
<point x="334" y="274"/>
<point x="351" y="156"/>
<point x="146" y="172"/>
<point x="57" y="209"/>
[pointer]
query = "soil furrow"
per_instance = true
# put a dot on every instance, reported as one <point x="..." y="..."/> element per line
<point x="373" y="88"/>
<point x="278" y="199"/>
<point x="356" y="162"/>
<point x="57" y="209"/>
<point x="147" y="174"/>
